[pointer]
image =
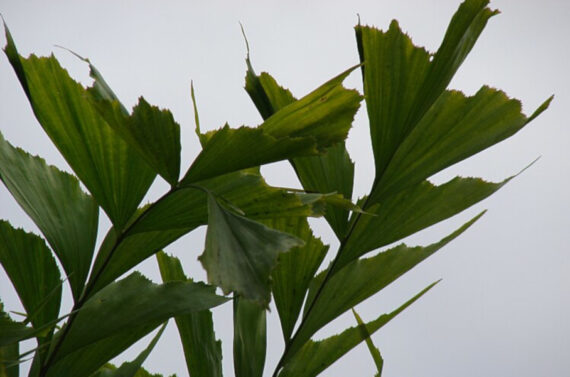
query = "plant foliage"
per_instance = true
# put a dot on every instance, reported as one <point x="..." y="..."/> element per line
<point x="259" y="246"/>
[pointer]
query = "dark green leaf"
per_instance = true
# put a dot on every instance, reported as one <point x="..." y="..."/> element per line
<point x="240" y="253"/>
<point x="454" y="128"/>
<point x="32" y="269"/>
<point x="361" y="279"/>
<point x="182" y="210"/>
<point x="132" y="303"/>
<point x="332" y="171"/>
<point x="131" y="369"/>
<point x="53" y="199"/>
<point x="112" y="171"/>
<point x="250" y="339"/>
<point x="89" y="359"/>
<point x="9" y="360"/>
<point x="412" y="210"/>
<point x="316" y="356"/>
<point x="229" y="150"/>
<point x="202" y="351"/>
<point x="295" y="270"/>
<point x="374" y="352"/>
<point x="401" y="81"/>
<point x="315" y="122"/>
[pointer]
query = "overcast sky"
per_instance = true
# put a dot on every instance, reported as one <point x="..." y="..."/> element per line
<point x="502" y="308"/>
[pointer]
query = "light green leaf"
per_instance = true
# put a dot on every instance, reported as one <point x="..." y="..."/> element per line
<point x="202" y="351"/>
<point x="374" y="352"/>
<point x="361" y="279"/>
<point x="332" y="171"/>
<point x="316" y="356"/>
<point x="32" y="270"/>
<point x="250" y="338"/>
<point x="295" y="270"/>
<point x="131" y="369"/>
<point x="132" y="303"/>
<point x="151" y="131"/>
<point x="240" y="253"/>
<point x="112" y="171"/>
<point x="53" y="199"/>
<point x="412" y="210"/>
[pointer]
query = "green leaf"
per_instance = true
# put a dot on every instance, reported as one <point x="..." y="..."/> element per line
<point x="112" y="171"/>
<point x="412" y="210"/>
<point x="250" y="338"/>
<point x="295" y="270"/>
<point x="32" y="270"/>
<point x="202" y="351"/>
<point x="224" y="152"/>
<point x="332" y="171"/>
<point x="374" y="352"/>
<point x="182" y="210"/>
<point x="9" y="360"/>
<point x="316" y="356"/>
<point x="454" y="128"/>
<point x="401" y="81"/>
<point x="62" y="211"/>
<point x="151" y="131"/>
<point x="240" y="253"/>
<point x="89" y="359"/>
<point x="417" y="127"/>
<point x="315" y="122"/>
<point x="361" y="279"/>
<point x="132" y="303"/>
<point x="131" y="369"/>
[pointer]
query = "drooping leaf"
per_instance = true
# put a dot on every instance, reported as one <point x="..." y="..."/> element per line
<point x="112" y="171"/>
<point x="374" y="351"/>
<point x="132" y="303"/>
<point x="151" y="131"/>
<point x="32" y="270"/>
<point x="315" y="122"/>
<point x="316" y="356"/>
<point x="412" y="210"/>
<point x="53" y="199"/>
<point x="332" y="171"/>
<point x="202" y="351"/>
<point x="132" y="368"/>
<point x="361" y="279"/>
<point x="240" y="253"/>
<point x="295" y="270"/>
<point x="250" y="338"/>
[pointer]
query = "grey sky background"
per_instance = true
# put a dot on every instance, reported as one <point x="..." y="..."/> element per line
<point x="502" y="308"/>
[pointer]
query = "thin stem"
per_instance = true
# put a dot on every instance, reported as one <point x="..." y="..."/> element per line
<point x="89" y="288"/>
<point x="328" y="275"/>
